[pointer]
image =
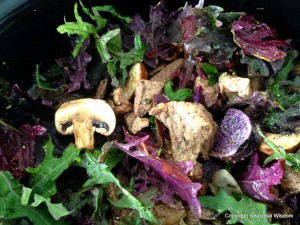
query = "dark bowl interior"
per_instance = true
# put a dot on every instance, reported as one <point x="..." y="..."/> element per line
<point x="28" y="33"/>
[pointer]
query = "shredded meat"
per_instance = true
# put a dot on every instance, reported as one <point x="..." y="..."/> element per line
<point x="165" y="74"/>
<point x="135" y="124"/>
<point x="191" y="127"/>
<point x="144" y="93"/>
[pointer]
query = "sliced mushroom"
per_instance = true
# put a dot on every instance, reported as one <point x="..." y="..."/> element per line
<point x="83" y="117"/>
<point x="289" y="142"/>
<point x="136" y="73"/>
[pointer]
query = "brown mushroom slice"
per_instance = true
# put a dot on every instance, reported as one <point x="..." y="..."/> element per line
<point x="83" y="117"/>
<point x="136" y="73"/>
<point x="289" y="142"/>
<point x="191" y="126"/>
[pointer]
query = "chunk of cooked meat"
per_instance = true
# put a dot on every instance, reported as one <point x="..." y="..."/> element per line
<point x="290" y="181"/>
<point x="135" y="124"/>
<point x="101" y="89"/>
<point x="191" y="127"/>
<point x="210" y="92"/>
<point x="232" y="87"/>
<point x="144" y="94"/>
<point x="119" y="103"/>
<point x="165" y="74"/>
<point x="167" y="215"/>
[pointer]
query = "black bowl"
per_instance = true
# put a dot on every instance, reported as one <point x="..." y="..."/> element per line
<point x="28" y="33"/>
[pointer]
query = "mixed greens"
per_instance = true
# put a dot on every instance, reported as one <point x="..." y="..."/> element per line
<point x="206" y="103"/>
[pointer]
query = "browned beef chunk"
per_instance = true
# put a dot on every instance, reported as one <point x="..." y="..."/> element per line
<point x="135" y="124"/>
<point x="144" y="93"/>
<point x="192" y="129"/>
<point x="165" y="74"/>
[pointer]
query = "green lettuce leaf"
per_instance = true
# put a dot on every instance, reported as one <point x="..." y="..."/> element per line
<point x="244" y="209"/>
<point x="57" y="210"/>
<point x="43" y="177"/>
<point x="11" y="207"/>
<point x="179" y="95"/>
<point x="108" y="44"/>
<point x="211" y="72"/>
<point x="99" y="174"/>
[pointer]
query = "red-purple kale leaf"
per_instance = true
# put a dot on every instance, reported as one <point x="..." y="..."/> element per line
<point x="16" y="147"/>
<point x="78" y="66"/>
<point x="213" y="42"/>
<point x="172" y="174"/>
<point x="154" y="32"/>
<point x="257" y="181"/>
<point x="258" y="39"/>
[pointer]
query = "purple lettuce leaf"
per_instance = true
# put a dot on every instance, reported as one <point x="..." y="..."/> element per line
<point x="257" y="181"/>
<point x="189" y="26"/>
<point x="213" y="42"/>
<point x="199" y="96"/>
<point x="173" y="176"/>
<point x="78" y="65"/>
<point x="234" y="130"/>
<point x="160" y="98"/>
<point x="150" y="143"/>
<point x="258" y="39"/>
<point x="186" y="75"/>
<point x="165" y="51"/>
<point x="16" y="147"/>
<point x="153" y="32"/>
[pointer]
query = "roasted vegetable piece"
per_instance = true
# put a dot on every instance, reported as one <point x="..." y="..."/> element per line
<point x="83" y="117"/>
<point x="136" y="73"/>
<point x="234" y="130"/>
<point x="289" y="142"/>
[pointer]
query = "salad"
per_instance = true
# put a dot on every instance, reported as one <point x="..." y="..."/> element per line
<point x="188" y="117"/>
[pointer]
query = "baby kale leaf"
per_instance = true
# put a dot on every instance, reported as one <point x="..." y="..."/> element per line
<point x="43" y="177"/>
<point x="100" y="174"/>
<point x="179" y="95"/>
<point x="11" y="206"/>
<point x="243" y="206"/>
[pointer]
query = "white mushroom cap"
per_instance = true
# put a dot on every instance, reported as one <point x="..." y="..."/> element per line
<point x="83" y="117"/>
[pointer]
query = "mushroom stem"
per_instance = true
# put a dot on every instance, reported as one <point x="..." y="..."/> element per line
<point x="84" y="135"/>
